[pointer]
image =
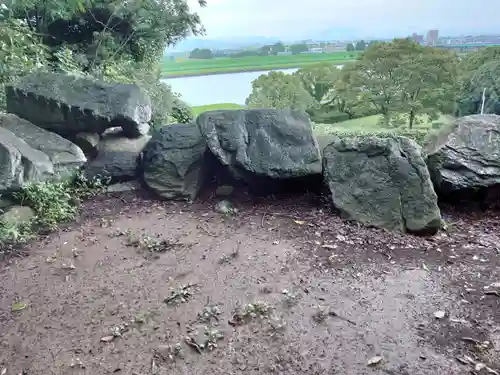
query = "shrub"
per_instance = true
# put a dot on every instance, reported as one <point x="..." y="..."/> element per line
<point x="57" y="201"/>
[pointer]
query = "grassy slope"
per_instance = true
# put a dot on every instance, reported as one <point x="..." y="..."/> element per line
<point x="212" y="107"/>
<point x="370" y="124"/>
<point x="251" y="63"/>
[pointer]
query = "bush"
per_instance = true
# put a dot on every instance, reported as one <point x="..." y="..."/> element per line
<point x="417" y="135"/>
<point x="57" y="201"/>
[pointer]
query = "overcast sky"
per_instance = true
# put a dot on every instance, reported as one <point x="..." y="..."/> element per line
<point x="382" y="18"/>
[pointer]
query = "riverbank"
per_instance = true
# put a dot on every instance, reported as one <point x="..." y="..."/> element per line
<point x="192" y="68"/>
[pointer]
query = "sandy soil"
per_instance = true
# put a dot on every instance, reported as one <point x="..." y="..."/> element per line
<point x="327" y="296"/>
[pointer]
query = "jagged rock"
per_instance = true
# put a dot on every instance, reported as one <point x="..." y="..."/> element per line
<point x="174" y="161"/>
<point x="260" y="146"/>
<point x="117" y="158"/>
<point x="382" y="182"/>
<point x="66" y="157"/>
<point x="20" y="163"/>
<point x="466" y="154"/>
<point x="69" y="104"/>
<point x="88" y="142"/>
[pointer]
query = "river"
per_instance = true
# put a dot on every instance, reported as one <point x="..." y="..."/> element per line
<point x="217" y="88"/>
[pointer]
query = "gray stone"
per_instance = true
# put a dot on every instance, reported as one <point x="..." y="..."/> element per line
<point x="382" y="182"/>
<point x="88" y="142"/>
<point x="465" y="154"/>
<point x="274" y="144"/>
<point x="224" y="191"/>
<point x="66" y="157"/>
<point x="174" y="161"/>
<point x="20" y="163"/>
<point x="224" y="207"/>
<point x="123" y="187"/>
<point x="70" y="104"/>
<point x="18" y="214"/>
<point x="117" y="158"/>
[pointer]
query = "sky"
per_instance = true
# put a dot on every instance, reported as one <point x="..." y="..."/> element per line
<point x="378" y="18"/>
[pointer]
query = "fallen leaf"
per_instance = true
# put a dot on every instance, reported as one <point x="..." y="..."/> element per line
<point x="374" y="360"/>
<point x="299" y="222"/>
<point x="107" y="338"/>
<point x="440" y="314"/>
<point x="4" y="371"/>
<point x="18" y="306"/>
<point x="425" y="267"/>
<point x="68" y="266"/>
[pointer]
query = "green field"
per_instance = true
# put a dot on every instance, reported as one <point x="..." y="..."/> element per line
<point x="186" y="68"/>
<point x="213" y="107"/>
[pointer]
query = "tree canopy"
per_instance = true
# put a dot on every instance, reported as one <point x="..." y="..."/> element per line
<point x="279" y="90"/>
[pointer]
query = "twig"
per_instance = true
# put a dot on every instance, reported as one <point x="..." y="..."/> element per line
<point x="333" y="313"/>
<point x="206" y="230"/>
<point x="264" y="216"/>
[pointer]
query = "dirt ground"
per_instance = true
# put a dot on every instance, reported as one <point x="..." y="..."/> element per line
<point x="141" y="287"/>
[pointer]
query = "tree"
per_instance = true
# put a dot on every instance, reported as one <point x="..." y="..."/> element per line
<point x="265" y="50"/>
<point x="403" y="77"/>
<point x="104" y="29"/>
<point x="298" y="48"/>
<point x="485" y="79"/>
<point x="277" y="48"/>
<point x="201" y="53"/>
<point x="279" y="90"/>
<point x="318" y="80"/>
<point x="477" y="72"/>
<point x="360" y="46"/>
<point x="350" y="47"/>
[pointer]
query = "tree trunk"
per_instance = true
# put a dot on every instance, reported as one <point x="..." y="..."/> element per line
<point x="412" y="119"/>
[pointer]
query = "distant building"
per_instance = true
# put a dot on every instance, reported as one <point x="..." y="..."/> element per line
<point x="418" y="38"/>
<point x="432" y="37"/>
<point x="335" y="48"/>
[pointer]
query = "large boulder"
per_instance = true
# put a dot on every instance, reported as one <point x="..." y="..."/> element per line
<point x="20" y="163"/>
<point x="466" y="154"/>
<point x="262" y="144"/>
<point x="65" y="156"/>
<point x="68" y="104"/>
<point x="173" y="162"/>
<point x="117" y="158"/>
<point x="382" y="182"/>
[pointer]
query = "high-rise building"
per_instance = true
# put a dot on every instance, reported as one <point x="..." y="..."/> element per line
<point x="432" y="37"/>
<point x="417" y="38"/>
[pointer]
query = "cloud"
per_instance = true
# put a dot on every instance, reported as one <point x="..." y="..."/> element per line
<point x="296" y="18"/>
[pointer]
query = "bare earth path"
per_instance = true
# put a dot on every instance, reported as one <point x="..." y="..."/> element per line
<point x="382" y="290"/>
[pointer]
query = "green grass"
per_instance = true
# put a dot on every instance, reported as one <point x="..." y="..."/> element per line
<point x="213" y="107"/>
<point x="372" y="125"/>
<point x="251" y="63"/>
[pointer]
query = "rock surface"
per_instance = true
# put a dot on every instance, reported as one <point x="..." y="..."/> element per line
<point x="117" y="158"/>
<point x="88" y="142"/>
<point x="20" y="163"/>
<point x="174" y="161"/>
<point x="275" y="144"/>
<point x="382" y="182"/>
<point x="69" y="105"/>
<point x="466" y="154"/>
<point x="65" y="156"/>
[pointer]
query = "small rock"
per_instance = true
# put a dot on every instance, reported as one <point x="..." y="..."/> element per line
<point x="224" y="207"/>
<point x="440" y="314"/>
<point x="374" y="360"/>
<point x="107" y="338"/>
